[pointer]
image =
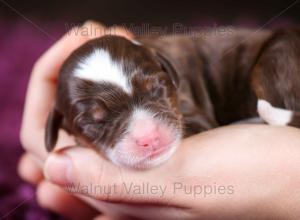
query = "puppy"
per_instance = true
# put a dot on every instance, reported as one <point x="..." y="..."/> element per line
<point x="135" y="100"/>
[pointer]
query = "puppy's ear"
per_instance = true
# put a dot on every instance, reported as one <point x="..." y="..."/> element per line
<point x="53" y="125"/>
<point x="168" y="67"/>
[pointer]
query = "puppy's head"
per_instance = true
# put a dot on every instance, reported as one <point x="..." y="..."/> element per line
<point x="121" y="98"/>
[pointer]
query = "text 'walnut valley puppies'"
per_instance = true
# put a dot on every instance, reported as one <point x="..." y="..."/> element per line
<point x="135" y="100"/>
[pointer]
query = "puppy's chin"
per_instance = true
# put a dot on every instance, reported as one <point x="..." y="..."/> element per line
<point x="123" y="155"/>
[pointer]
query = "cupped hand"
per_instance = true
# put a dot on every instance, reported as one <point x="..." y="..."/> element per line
<point x="233" y="172"/>
<point x="39" y="101"/>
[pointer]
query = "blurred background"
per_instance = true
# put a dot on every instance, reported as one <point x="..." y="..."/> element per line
<point x="28" y="28"/>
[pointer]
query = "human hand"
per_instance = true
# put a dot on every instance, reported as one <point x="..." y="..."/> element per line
<point x="234" y="172"/>
<point x="39" y="101"/>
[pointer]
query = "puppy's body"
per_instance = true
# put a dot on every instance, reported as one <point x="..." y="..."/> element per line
<point x="150" y="95"/>
<point x="222" y="77"/>
<point x="215" y="76"/>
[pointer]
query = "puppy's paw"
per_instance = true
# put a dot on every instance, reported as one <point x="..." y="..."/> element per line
<point x="273" y="115"/>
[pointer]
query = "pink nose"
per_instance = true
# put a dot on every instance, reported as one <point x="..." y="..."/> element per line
<point x="150" y="140"/>
<point x="146" y="133"/>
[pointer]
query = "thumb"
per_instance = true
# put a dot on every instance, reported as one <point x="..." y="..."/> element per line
<point x="83" y="171"/>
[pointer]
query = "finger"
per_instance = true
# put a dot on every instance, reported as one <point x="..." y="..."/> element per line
<point x="82" y="170"/>
<point x="120" y="31"/>
<point x="42" y="86"/>
<point x="92" y="29"/>
<point x="30" y="166"/>
<point x="29" y="169"/>
<point x="59" y="201"/>
<point x="102" y="217"/>
<point x="64" y="140"/>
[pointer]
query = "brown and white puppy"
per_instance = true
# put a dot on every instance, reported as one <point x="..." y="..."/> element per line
<point x="115" y="95"/>
<point x="135" y="100"/>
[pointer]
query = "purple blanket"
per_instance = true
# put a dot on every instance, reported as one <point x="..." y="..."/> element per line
<point x="20" y="45"/>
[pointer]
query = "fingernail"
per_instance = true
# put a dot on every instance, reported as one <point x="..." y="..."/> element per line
<point x="93" y="29"/>
<point x="91" y="22"/>
<point x="58" y="169"/>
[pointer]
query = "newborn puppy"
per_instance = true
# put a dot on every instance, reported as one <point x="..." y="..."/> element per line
<point x="116" y="96"/>
<point x="135" y="100"/>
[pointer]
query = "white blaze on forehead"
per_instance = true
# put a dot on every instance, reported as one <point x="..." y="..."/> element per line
<point x="99" y="67"/>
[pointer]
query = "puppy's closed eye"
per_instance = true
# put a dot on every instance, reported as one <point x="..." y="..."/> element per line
<point x="89" y="111"/>
<point x="90" y="118"/>
<point x="98" y="113"/>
